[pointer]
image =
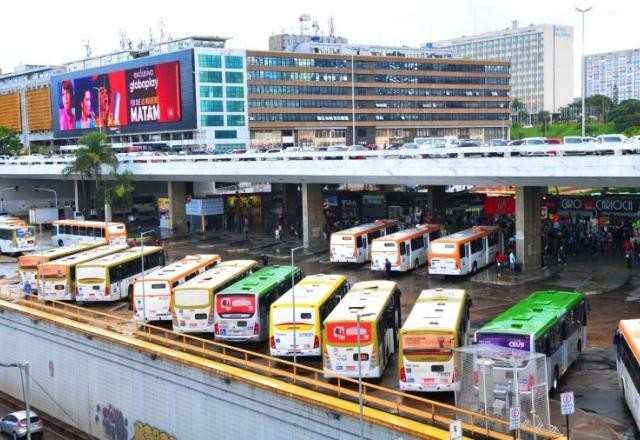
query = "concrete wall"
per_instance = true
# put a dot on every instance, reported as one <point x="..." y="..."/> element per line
<point x="79" y="380"/>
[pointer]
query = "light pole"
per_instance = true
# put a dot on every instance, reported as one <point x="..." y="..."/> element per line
<point x="144" y="296"/>
<point x="353" y="105"/>
<point x="358" y="317"/>
<point x="583" y="85"/>
<point x="15" y="188"/>
<point x="293" y="302"/>
<point x="25" y="391"/>
<point x="55" y="193"/>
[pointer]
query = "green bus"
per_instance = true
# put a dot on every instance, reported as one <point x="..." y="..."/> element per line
<point x="242" y="309"/>
<point x="550" y="322"/>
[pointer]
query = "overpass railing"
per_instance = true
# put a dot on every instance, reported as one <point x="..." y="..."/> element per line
<point x="391" y="401"/>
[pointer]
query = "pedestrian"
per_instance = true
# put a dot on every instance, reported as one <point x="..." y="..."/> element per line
<point x="387" y="267"/>
<point x="277" y="231"/>
<point x="628" y="254"/>
<point x="245" y="229"/>
<point x="27" y="289"/>
<point x="325" y="231"/>
<point x="293" y="231"/>
<point x="265" y="260"/>
<point x="562" y="258"/>
<point x="501" y="262"/>
<point x="512" y="261"/>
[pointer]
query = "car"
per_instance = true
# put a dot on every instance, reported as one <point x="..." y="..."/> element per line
<point x="472" y="144"/>
<point x="611" y="139"/>
<point x="409" y="150"/>
<point x="527" y="126"/>
<point x="572" y="142"/>
<point x="15" y="424"/>
<point x="356" y="148"/>
<point x="335" y="148"/>
<point x="4" y="157"/>
<point x="498" y="143"/>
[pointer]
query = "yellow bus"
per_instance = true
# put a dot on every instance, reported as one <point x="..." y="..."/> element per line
<point x="465" y="251"/>
<point x="315" y="297"/>
<point x="66" y="232"/>
<point x="405" y="250"/>
<point x="364" y="323"/>
<point x="353" y="245"/>
<point x="627" y="340"/>
<point x="111" y="277"/>
<point x="152" y="296"/>
<point x="437" y="324"/>
<point x="193" y="300"/>
<point x="11" y="220"/>
<point x="28" y="264"/>
<point x="16" y="238"/>
<point x="58" y="277"/>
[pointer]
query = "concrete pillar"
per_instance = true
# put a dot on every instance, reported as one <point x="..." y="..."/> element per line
<point x="177" y="217"/>
<point x="437" y="203"/>
<point x="312" y="217"/>
<point x="528" y="226"/>
<point x="76" y="196"/>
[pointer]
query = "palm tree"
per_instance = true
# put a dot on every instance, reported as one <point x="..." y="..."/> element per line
<point x="121" y="191"/>
<point x="543" y="117"/>
<point x="517" y="107"/>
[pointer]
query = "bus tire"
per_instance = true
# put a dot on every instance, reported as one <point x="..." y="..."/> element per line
<point x="556" y="379"/>
<point x="474" y="268"/>
<point x="60" y="242"/>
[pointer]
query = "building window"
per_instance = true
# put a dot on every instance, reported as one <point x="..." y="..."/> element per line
<point x="234" y="77"/>
<point x="233" y="62"/>
<point x="226" y="134"/>
<point x="211" y="77"/>
<point x="235" y="92"/>
<point x="235" y="120"/>
<point x="209" y="61"/>
<point x="207" y="105"/>
<point x="210" y="91"/>
<point x="212" y="120"/>
<point x="235" y="106"/>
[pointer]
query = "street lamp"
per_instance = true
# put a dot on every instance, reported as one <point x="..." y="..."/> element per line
<point x="353" y="105"/>
<point x="25" y="391"/>
<point x="144" y="296"/>
<point x="358" y="317"/>
<point x="583" y="81"/>
<point x="55" y="193"/>
<point x="293" y="302"/>
<point x="15" y="188"/>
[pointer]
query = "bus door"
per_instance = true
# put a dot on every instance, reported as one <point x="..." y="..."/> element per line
<point x="465" y="253"/>
<point x="363" y="242"/>
<point x="404" y="248"/>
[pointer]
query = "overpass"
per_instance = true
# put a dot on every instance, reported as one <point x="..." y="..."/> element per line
<point x="530" y="169"/>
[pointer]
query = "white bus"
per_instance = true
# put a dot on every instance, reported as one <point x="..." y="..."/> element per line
<point x="466" y="251"/>
<point x="315" y="297"/>
<point x="67" y="232"/>
<point x="627" y="342"/>
<point x="353" y="245"/>
<point x="111" y="278"/>
<point x="152" y="297"/>
<point x="437" y="324"/>
<point x="16" y="238"/>
<point x="405" y="250"/>
<point x="193" y="300"/>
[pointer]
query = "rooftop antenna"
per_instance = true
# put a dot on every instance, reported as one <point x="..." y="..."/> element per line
<point x="332" y="27"/>
<point x="305" y="20"/>
<point x="151" y="40"/>
<point x="162" y="36"/>
<point x="316" y="28"/>
<point x="123" y="38"/>
<point x="87" y="48"/>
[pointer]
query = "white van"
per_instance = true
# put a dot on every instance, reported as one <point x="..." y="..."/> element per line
<point x="429" y="146"/>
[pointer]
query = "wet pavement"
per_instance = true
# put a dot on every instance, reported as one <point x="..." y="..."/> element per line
<point x="613" y="292"/>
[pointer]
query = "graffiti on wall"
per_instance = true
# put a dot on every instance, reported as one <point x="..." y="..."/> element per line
<point x="144" y="431"/>
<point x="116" y="426"/>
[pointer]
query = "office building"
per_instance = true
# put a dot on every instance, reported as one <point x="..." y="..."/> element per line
<point x="614" y="74"/>
<point x="541" y="59"/>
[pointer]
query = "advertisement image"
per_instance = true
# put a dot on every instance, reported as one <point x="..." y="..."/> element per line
<point x="109" y="101"/>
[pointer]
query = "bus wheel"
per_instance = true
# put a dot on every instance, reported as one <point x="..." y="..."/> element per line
<point x="474" y="269"/>
<point x="556" y="379"/>
<point x="60" y="242"/>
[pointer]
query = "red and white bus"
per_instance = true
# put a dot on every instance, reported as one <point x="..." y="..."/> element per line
<point x="466" y="251"/>
<point x="353" y="245"/>
<point x="406" y="249"/>
<point x="67" y="232"/>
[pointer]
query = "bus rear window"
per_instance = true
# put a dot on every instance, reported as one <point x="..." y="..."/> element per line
<point x="236" y="304"/>
<point x="347" y="333"/>
<point x="443" y="248"/>
<point x="158" y="285"/>
<point x="427" y="344"/>
<point x="520" y="342"/>
<point x="389" y="244"/>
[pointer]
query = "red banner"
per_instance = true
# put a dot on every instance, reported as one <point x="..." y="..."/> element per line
<point x="499" y="205"/>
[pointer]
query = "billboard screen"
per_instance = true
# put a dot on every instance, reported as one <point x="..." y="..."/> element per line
<point x="144" y="97"/>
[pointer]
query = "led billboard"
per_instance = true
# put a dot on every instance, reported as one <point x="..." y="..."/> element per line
<point x="140" y="97"/>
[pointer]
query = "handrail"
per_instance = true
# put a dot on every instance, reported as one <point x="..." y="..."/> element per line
<point x="374" y="396"/>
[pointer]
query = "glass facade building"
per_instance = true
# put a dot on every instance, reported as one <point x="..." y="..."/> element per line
<point x="614" y="74"/>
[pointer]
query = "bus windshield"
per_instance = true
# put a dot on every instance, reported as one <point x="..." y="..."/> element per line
<point x="236" y="305"/>
<point x="427" y="344"/>
<point x="284" y="316"/>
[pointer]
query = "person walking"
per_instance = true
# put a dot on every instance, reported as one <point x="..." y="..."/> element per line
<point x="387" y="268"/>
<point x="245" y="229"/>
<point x="628" y="255"/>
<point x="512" y="261"/>
<point x="501" y="262"/>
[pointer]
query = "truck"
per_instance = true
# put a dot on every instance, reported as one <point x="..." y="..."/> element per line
<point x="39" y="216"/>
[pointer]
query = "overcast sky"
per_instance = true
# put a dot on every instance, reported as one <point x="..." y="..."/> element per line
<point x="53" y="32"/>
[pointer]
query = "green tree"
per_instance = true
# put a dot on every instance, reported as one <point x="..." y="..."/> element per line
<point x="9" y="141"/>
<point x="625" y="115"/>
<point x="517" y="108"/>
<point x="544" y="117"/>
<point x="599" y="105"/>
<point x="120" y="194"/>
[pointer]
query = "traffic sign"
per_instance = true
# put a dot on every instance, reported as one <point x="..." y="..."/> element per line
<point x="514" y="418"/>
<point x="567" y="403"/>
<point x="455" y="430"/>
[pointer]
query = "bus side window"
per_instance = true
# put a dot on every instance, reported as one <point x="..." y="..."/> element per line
<point x="403" y="249"/>
<point x="463" y="250"/>
<point x="359" y="241"/>
<point x="564" y="329"/>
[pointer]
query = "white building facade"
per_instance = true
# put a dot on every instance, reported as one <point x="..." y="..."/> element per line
<point x="614" y="74"/>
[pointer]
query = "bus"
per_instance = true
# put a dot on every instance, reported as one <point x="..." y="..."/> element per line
<point x="58" y="277"/>
<point x="152" y="296"/>
<point x="141" y="204"/>
<point x="242" y="309"/>
<point x="28" y="264"/>
<point x="406" y="249"/>
<point x="466" y="251"/>
<point x="16" y="238"/>
<point x="437" y="324"/>
<point x="627" y="340"/>
<point x="377" y="303"/>
<point x="111" y="277"/>
<point x="193" y="300"/>
<point x="315" y="297"/>
<point x="353" y="245"/>
<point x="550" y="322"/>
<point x="66" y="232"/>
<point x="11" y="220"/>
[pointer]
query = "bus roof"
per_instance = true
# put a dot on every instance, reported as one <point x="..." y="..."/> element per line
<point x="89" y="223"/>
<point x="15" y="226"/>
<point x="262" y="281"/>
<point x="436" y="309"/>
<point x="630" y="329"/>
<point x="217" y="275"/>
<point x="122" y="257"/>
<point x="88" y="255"/>
<point x="363" y="298"/>
<point x="180" y="268"/>
<point x="367" y="227"/>
<point x="534" y="314"/>
<point x="34" y="258"/>
<point x="312" y="290"/>
<point x="409" y="233"/>
<point x="468" y="234"/>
